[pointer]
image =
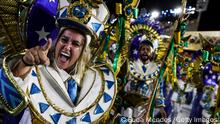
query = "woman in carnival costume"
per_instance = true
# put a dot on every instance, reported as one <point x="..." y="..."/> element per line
<point x="67" y="88"/>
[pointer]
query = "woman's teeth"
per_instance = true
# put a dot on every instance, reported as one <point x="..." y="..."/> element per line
<point x="64" y="56"/>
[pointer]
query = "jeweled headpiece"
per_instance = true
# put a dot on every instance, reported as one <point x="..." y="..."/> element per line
<point x="87" y="16"/>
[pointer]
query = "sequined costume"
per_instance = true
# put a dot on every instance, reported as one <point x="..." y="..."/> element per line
<point x="44" y="92"/>
<point x="48" y="94"/>
<point x="140" y="86"/>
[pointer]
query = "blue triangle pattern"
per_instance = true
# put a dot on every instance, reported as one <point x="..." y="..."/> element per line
<point x="98" y="109"/>
<point x="107" y="97"/>
<point x="96" y="26"/>
<point x="106" y="71"/>
<point x="144" y="68"/>
<point x="55" y="117"/>
<point x="8" y="91"/>
<point x="64" y="14"/>
<point x="86" y="118"/>
<point x="43" y="107"/>
<point x="33" y="73"/>
<point x="72" y="121"/>
<point x="109" y="84"/>
<point x="34" y="89"/>
<point x="14" y="100"/>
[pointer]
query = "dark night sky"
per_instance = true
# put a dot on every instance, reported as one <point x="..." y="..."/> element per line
<point x="148" y="4"/>
<point x="209" y="20"/>
<point x="159" y="4"/>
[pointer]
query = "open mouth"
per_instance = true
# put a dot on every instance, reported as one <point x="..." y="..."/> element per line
<point x="145" y="55"/>
<point x="64" y="56"/>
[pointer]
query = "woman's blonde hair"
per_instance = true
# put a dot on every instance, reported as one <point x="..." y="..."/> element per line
<point x="83" y="61"/>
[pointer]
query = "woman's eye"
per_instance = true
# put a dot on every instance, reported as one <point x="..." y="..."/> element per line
<point x="76" y="44"/>
<point x="63" y="40"/>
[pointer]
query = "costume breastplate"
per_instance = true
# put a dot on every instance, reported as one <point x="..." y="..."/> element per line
<point x="91" y="106"/>
<point x="49" y="103"/>
<point x="140" y="82"/>
<point x="138" y="73"/>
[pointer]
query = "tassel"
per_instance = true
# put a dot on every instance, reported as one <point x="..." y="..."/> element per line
<point x="216" y="68"/>
<point x="135" y="12"/>
<point x="121" y="23"/>
<point x="205" y="55"/>
<point x="177" y="37"/>
<point x="118" y="8"/>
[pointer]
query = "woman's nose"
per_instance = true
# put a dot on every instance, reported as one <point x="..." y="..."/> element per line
<point x="67" y="46"/>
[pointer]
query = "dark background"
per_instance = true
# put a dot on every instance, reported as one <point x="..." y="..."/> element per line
<point x="209" y="19"/>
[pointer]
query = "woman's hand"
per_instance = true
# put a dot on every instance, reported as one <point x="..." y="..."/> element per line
<point x="34" y="56"/>
<point x="38" y="55"/>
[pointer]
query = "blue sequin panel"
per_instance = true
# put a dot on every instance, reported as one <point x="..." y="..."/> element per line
<point x="8" y="91"/>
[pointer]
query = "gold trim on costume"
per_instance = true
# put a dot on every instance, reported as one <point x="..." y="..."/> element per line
<point x="37" y="115"/>
<point x="106" y="113"/>
<point x="25" y="100"/>
<point x="140" y="78"/>
<point x="151" y="34"/>
<point x="86" y="16"/>
<point x="67" y="79"/>
<point x="113" y="99"/>
<point x="62" y="111"/>
<point x="212" y="60"/>
<point x="78" y="102"/>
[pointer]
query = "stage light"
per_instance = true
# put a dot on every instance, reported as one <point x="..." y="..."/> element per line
<point x="178" y="10"/>
<point x="155" y="14"/>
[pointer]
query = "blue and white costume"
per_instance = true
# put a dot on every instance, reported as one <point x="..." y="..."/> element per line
<point x="44" y="93"/>
<point x="141" y="83"/>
